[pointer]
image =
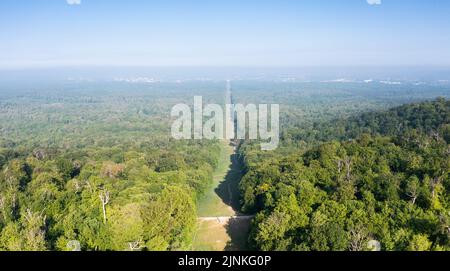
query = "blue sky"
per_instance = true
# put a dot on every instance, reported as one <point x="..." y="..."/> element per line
<point x="52" y="33"/>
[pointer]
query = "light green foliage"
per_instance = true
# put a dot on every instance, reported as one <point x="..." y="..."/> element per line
<point x="98" y="168"/>
<point x="419" y="242"/>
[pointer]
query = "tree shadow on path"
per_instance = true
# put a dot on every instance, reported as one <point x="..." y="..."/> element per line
<point x="238" y="230"/>
<point x="228" y="189"/>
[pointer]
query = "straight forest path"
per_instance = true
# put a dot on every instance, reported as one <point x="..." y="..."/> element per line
<point x="220" y="225"/>
<point x="222" y="197"/>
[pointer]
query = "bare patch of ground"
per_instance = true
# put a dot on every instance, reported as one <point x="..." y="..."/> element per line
<point x="222" y="233"/>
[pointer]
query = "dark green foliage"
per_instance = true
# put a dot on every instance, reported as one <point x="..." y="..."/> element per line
<point x="387" y="183"/>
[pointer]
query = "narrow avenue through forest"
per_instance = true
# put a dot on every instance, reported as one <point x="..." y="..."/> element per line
<point x="220" y="224"/>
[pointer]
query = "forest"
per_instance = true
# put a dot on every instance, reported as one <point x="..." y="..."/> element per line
<point x="376" y="178"/>
<point x="97" y="170"/>
<point x="92" y="167"/>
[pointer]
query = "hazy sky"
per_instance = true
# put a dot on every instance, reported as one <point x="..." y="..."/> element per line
<point x="49" y="33"/>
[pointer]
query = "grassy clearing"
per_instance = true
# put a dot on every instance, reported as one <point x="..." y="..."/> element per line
<point x="222" y="235"/>
<point x="211" y="236"/>
<point x="222" y="200"/>
<point x="212" y="204"/>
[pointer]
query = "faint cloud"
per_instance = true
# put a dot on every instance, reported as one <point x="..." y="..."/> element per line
<point x="73" y="2"/>
<point x="374" y="2"/>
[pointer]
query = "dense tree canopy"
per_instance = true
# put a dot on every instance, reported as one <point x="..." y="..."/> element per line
<point x="388" y="184"/>
<point x="99" y="170"/>
<point x="93" y="167"/>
